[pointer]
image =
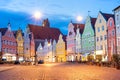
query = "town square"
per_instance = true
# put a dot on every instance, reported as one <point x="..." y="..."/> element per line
<point x="60" y="40"/>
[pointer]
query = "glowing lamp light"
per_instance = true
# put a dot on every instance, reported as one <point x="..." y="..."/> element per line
<point x="37" y="15"/>
<point x="79" y="18"/>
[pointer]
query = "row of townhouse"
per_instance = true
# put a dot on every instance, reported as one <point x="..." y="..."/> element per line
<point x="38" y="42"/>
<point x="99" y="37"/>
<point x="11" y="44"/>
<point x="44" y="43"/>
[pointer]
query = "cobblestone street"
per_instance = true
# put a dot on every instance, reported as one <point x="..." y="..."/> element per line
<point x="59" y="71"/>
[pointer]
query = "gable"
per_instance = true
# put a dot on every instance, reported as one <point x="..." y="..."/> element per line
<point x="19" y="35"/>
<point x="70" y="28"/>
<point x="9" y="34"/>
<point x="110" y="22"/>
<point x="100" y="17"/>
<point x="88" y="27"/>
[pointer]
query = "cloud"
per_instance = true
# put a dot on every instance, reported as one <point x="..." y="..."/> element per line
<point x="21" y="19"/>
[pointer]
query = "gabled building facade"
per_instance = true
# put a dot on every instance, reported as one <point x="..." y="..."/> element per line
<point x="20" y="45"/>
<point x="88" y="36"/>
<point x="27" y="55"/>
<point x="71" y="40"/>
<point x="9" y="45"/>
<point x="71" y="43"/>
<point x="111" y="38"/>
<point x="46" y="51"/>
<point x="117" y="22"/>
<point x="101" y="35"/>
<point x="60" y="50"/>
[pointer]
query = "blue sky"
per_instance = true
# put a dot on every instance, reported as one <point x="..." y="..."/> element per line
<point x="59" y="12"/>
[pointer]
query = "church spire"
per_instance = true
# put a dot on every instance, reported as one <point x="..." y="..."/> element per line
<point x="9" y="26"/>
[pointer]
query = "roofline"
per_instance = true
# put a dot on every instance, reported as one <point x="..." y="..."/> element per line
<point x="116" y="8"/>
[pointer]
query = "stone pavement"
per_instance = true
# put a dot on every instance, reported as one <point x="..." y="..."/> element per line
<point x="58" y="71"/>
<point x="5" y="67"/>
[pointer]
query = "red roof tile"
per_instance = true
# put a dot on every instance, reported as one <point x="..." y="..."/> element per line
<point x="43" y="33"/>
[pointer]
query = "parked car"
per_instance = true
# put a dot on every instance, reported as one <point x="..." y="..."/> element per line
<point x="40" y="61"/>
<point x="16" y="62"/>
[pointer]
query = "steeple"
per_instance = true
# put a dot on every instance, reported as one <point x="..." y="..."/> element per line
<point x="9" y="26"/>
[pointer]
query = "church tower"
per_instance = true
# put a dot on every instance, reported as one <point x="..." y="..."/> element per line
<point x="46" y="23"/>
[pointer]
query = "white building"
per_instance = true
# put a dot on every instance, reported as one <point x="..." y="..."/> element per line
<point x="27" y="45"/>
<point x="46" y="51"/>
<point x="117" y="21"/>
<point x="78" y="44"/>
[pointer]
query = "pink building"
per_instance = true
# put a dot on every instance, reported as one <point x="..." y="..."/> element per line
<point x="111" y="39"/>
<point x="71" y="42"/>
<point x="9" y="44"/>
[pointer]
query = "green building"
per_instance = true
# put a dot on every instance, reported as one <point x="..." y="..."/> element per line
<point x="88" y="36"/>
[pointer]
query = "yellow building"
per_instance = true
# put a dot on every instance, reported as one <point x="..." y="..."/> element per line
<point x="60" y="50"/>
<point x="20" y="46"/>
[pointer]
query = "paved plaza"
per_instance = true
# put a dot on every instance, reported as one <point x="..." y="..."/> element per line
<point x="58" y="71"/>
